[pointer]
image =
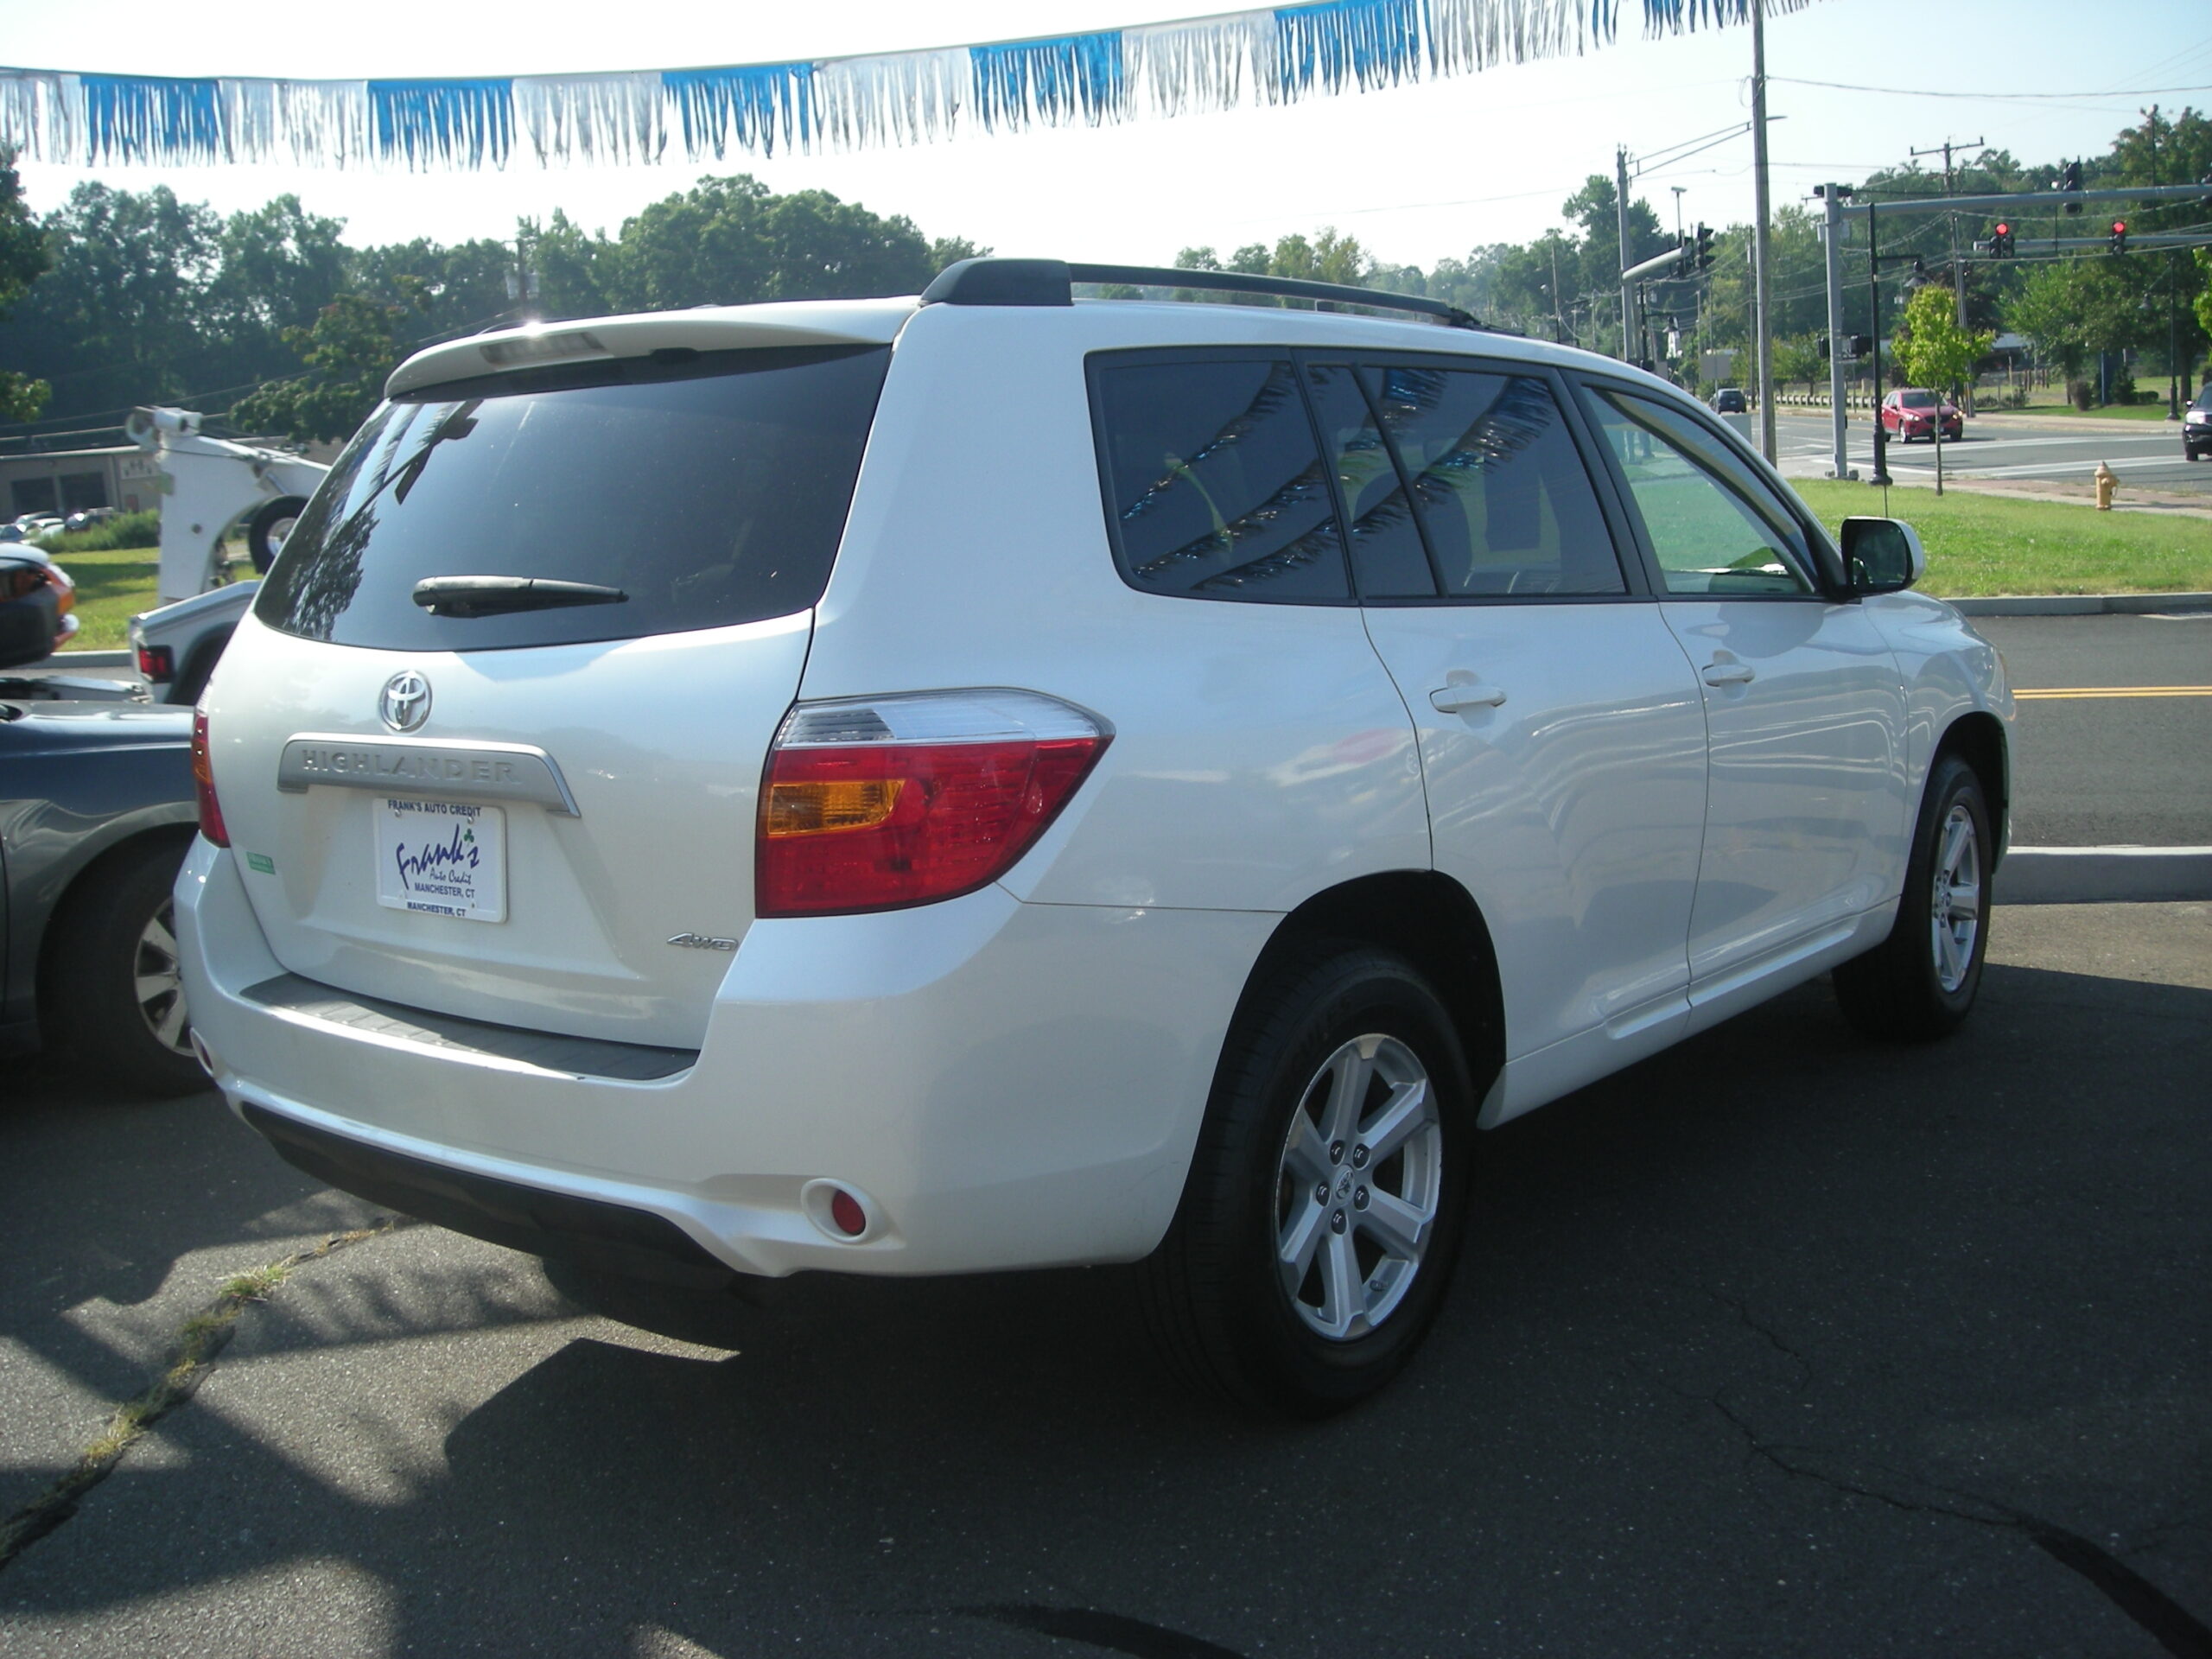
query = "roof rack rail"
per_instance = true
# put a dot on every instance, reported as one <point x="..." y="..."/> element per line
<point x="1051" y="282"/>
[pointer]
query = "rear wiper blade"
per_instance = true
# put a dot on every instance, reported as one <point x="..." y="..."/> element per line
<point x="496" y="595"/>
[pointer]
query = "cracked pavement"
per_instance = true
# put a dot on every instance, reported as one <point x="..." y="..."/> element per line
<point x="1779" y="1343"/>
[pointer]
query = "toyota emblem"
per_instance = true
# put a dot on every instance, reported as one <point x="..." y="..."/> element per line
<point x="405" y="703"/>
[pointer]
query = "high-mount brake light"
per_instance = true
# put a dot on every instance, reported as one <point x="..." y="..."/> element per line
<point x="203" y="784"/>
<point x="881" y="803"/>
<point x="541" y="346"/>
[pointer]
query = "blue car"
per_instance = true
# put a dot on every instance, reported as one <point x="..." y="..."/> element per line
<point x="96" y="812"/>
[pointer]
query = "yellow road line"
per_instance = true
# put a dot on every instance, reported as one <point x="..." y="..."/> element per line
<point x="2078" y="692"/>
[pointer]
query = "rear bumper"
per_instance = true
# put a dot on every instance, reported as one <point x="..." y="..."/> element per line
<point x="1003" y="1085"/>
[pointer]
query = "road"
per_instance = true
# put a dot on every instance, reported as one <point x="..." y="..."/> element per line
<point x="1779" y="1344"/>
<point x="2021" y="448"/>
<point x="2122" y="769"/>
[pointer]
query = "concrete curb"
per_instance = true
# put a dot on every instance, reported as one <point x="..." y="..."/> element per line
<point x="2103" y="875"/>
<point x="2081" y="604"/>
<point x="63" y="661"/>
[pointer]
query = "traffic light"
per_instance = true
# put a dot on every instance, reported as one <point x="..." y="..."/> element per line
<point x="2000" y="241"/>
<point x="2117" y="241"/>
<point x="2070" y="179"/>
<point x="1703" y="255"/>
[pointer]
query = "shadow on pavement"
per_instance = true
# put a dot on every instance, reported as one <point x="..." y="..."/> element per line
<point x="1762" y="1346"/>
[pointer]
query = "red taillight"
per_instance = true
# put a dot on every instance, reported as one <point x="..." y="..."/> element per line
<point x="203" y="784"/>
<point x="157" y="663"/>
<point x="898" y="801"/>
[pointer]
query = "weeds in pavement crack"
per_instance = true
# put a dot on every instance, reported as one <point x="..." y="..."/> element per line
<point x="200" y="1339"/>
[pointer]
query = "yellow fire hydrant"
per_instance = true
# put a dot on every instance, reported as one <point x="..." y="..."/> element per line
<point x="2107" y="481"/>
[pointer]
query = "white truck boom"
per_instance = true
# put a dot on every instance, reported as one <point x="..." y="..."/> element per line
<point x="207" y="485"/>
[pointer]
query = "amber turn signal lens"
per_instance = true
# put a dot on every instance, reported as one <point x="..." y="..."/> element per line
<point x="818" y="806"/>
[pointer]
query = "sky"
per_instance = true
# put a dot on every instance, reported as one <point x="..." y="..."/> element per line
<point x="1415" y="173"/>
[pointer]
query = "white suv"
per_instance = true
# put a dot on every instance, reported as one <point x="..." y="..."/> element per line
<point x="987" y="781"/>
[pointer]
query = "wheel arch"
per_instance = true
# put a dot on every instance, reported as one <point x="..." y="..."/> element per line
<point x="1978" y="738"/>
<point x="88" y="877"/>
<point x="1431" y="921"/>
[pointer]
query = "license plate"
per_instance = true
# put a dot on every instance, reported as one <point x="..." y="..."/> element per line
<point x="444" y="858"/>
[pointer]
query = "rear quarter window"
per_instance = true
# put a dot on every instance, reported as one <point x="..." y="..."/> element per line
<point x="1215" y="486"/>
<point x="710" y="488"/>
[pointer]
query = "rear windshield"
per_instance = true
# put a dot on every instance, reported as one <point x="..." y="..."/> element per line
<point x="708" y="488"/>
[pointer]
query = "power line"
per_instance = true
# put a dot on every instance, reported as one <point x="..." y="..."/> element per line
<point x="1917" y="91"/>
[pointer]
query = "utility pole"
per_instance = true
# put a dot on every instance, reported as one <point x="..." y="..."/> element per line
<point x="1620" y="209"/>
<point x="2173" y="281"/>
<point x="1559" y="323"/>
<point x="1881" y="475"/>
<point x="1958" y="270"/>
<point x="1762" y="283"/>
<point x="1832" y="197"/>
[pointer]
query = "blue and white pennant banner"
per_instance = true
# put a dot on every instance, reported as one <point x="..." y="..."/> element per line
<point x="1276" y="55"/>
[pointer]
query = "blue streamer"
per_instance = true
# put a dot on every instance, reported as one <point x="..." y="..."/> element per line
<point x="150" y="118"/>
<point x="1374" y="42"/>
<point x="1673" y="16"/>
<point x="458" y="122"/>
<point x="1051" y="81"/>
<point x="757" y="106"/>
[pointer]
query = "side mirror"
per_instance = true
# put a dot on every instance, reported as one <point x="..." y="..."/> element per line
<point x="1883" y="555"/>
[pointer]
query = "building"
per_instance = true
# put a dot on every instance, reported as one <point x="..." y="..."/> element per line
<point x="67" y="480"/>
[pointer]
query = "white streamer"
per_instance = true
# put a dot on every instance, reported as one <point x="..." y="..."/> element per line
<point x="617" y="118"/>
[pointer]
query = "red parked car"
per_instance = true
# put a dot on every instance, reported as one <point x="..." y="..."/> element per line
<point x="1910" y="413"/>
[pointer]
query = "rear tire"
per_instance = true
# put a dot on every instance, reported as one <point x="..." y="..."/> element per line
<point x="266" y="530"/>
<point x="1328" y="1193"/>
<point x="1920" y="983"/>
<point x="110" y="1003"/>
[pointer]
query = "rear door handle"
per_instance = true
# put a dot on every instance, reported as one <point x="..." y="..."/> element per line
<point x="1729" y="674"/>
<point x="1462" y="694"/>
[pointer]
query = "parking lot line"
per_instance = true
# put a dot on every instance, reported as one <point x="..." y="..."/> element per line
<point x="2086" y="692"/>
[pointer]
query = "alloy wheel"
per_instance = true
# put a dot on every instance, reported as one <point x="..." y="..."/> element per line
<point x="1357" y="1187"/>
<point x="1955" y="902"/>
<point x="156" y="986"/>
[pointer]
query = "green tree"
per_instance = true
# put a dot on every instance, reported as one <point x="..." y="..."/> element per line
<point x="275" y="268"/>
<point x="951" y="250"/>
<point x="1933" y="351"/>
<point x="1329" y="256"/>
<point x="571" y="265"/>
<point x="729" y="241"/>
<point x="454" y="289"/>
<point x="120" y="317"/>
<point x="23" y="261"/>
<point x="350" y="352"/>
<point x="1798" y="358"/>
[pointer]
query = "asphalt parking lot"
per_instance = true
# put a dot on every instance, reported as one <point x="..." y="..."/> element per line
<point x="1779" y="1343"/>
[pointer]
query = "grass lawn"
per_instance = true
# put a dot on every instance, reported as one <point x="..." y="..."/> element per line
<point x="1994" y="545"/>
<point x="2110" y="412"/>
<point x="114" y="585"/>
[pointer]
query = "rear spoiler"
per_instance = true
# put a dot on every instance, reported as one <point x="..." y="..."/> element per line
<point x="716" y="329"/>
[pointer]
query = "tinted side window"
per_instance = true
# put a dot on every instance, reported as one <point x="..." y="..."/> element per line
<point x="1386" y="553"/>
<point x="1497" y="481"/>
<point x="1714" y="525"/>
<point x="1214" y="485"/>
<point x="709" y="491"/>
